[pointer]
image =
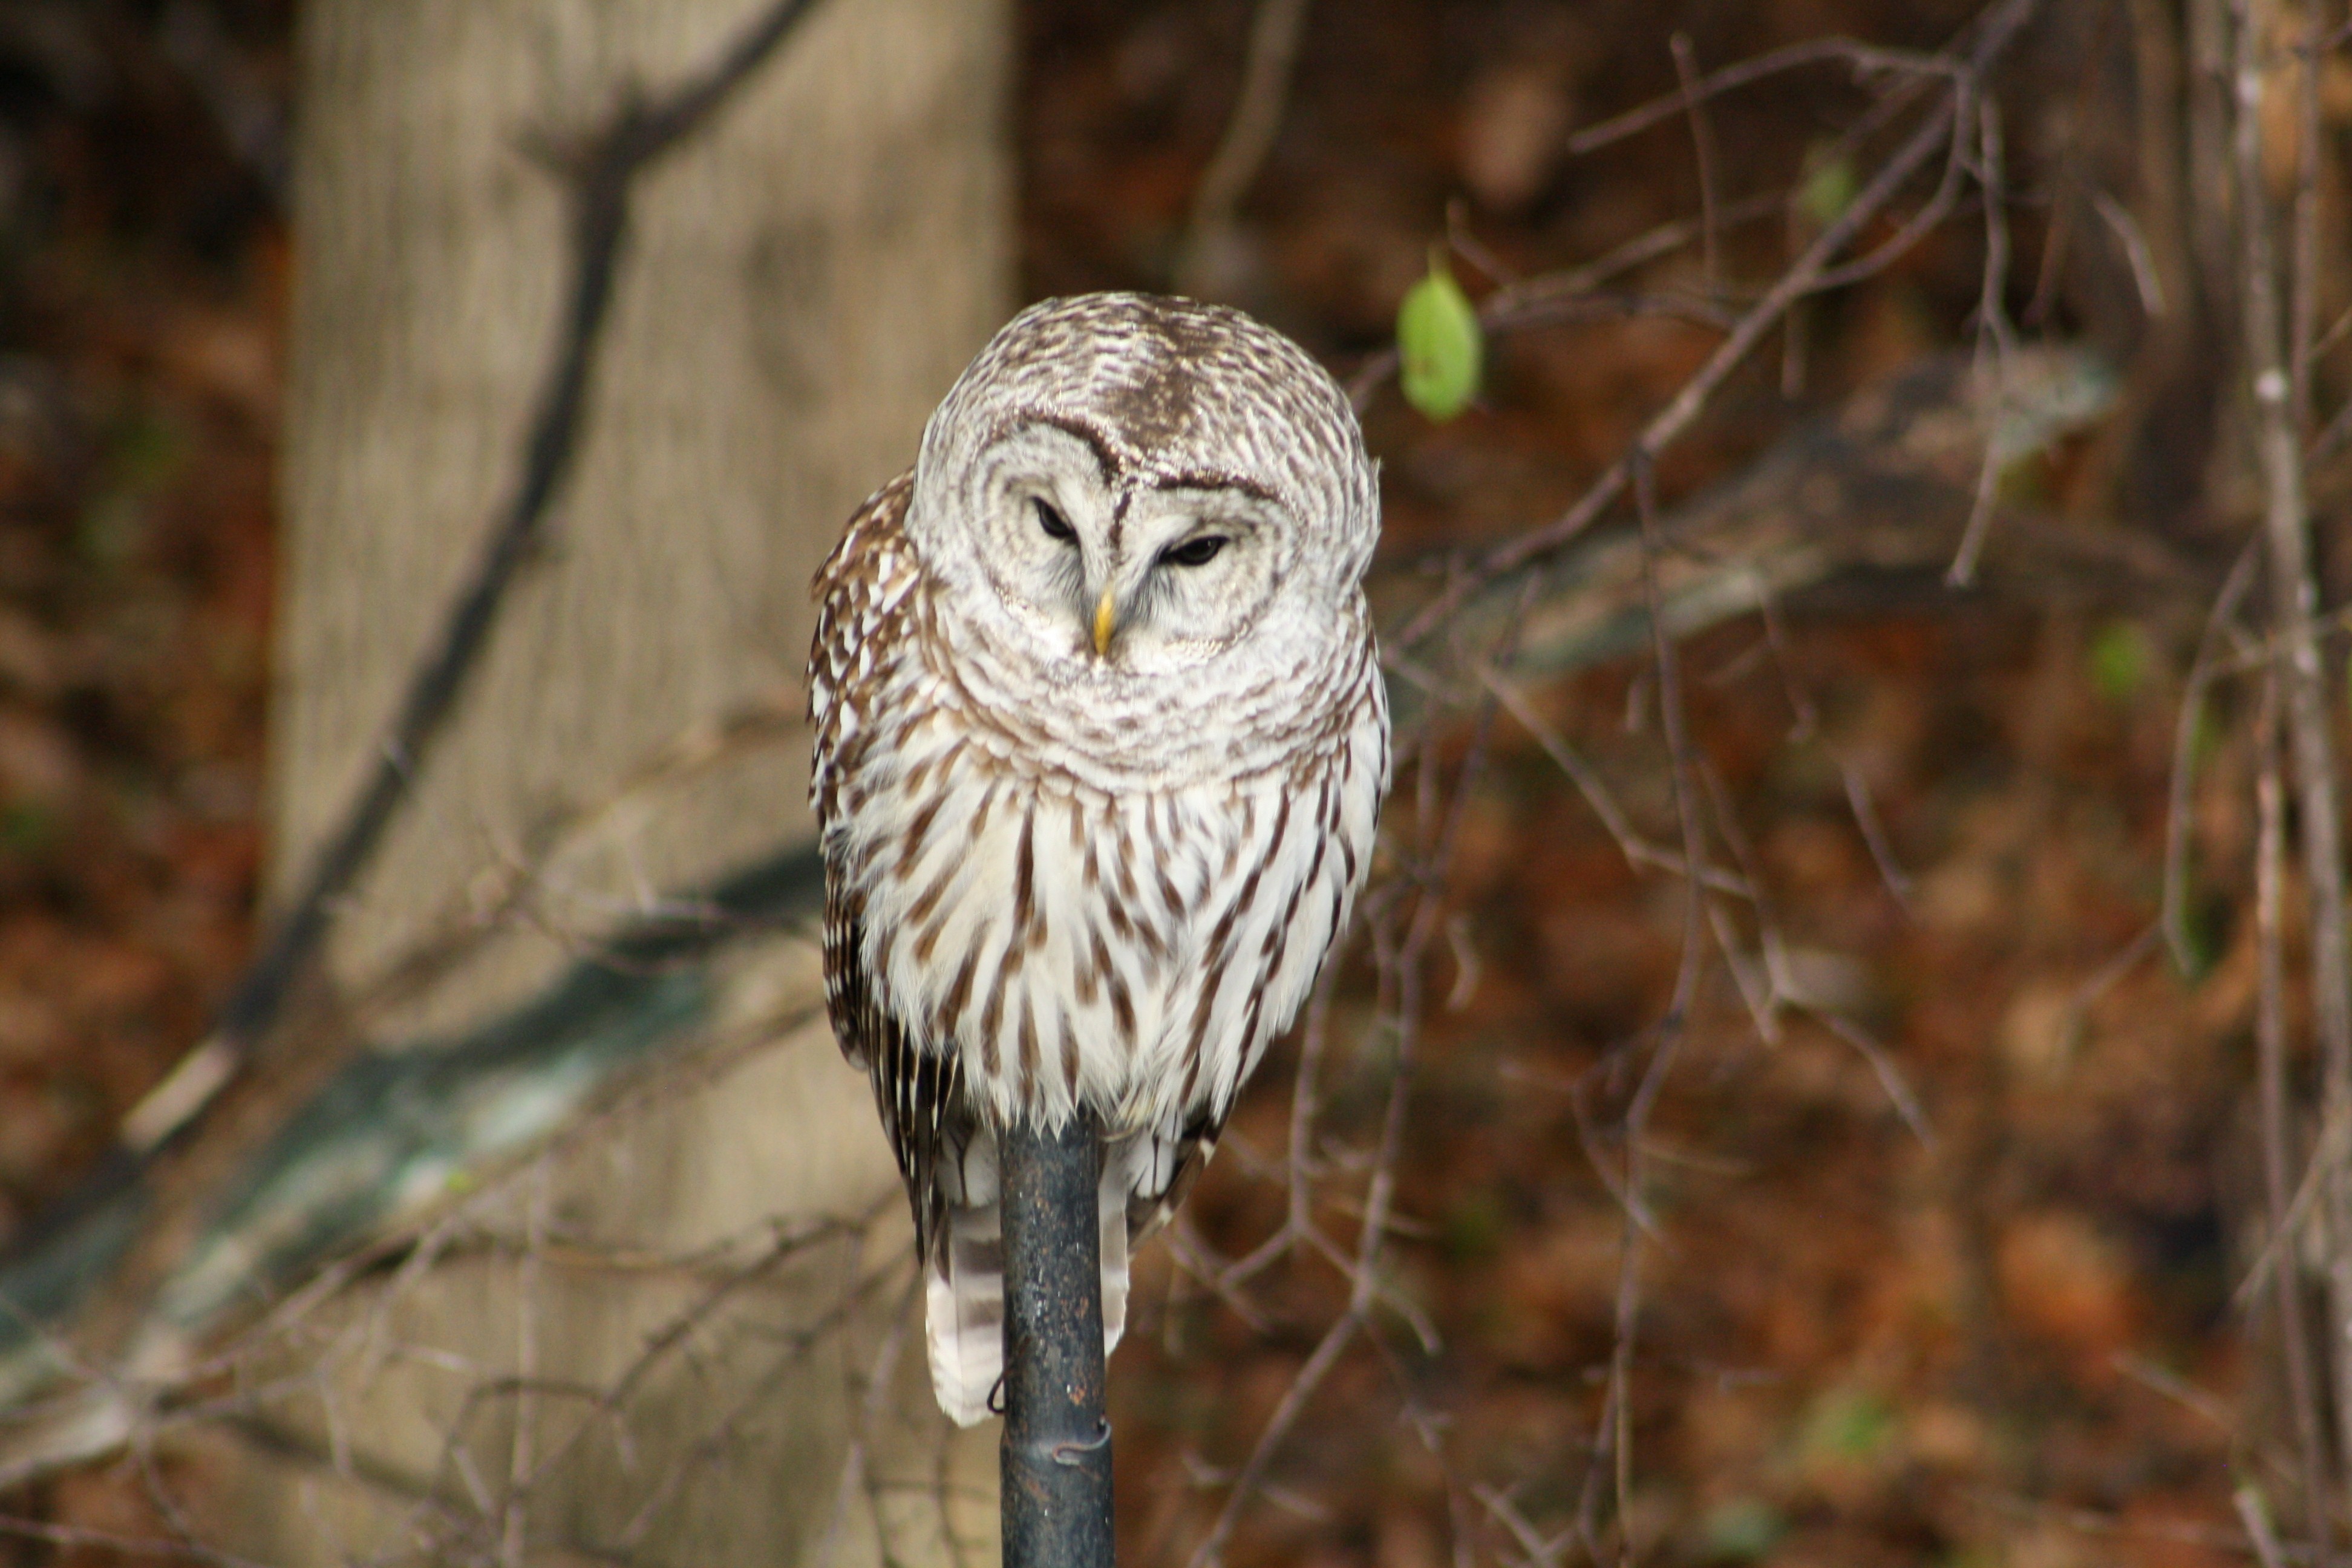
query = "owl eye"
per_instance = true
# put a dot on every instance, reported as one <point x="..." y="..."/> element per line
<point x="1194" y="551"/>
<point x="1055" y="525"/>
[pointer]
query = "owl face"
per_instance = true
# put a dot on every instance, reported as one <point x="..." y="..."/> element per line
<point x="1146" y="573"/>
<point x="1124" y="486"/>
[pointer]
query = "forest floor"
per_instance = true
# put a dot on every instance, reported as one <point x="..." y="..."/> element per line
<point x="2009" y="1334"/>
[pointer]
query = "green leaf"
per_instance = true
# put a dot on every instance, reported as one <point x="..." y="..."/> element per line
<point x="2119" y="661"/>
<point x="1742" y="1529"/>
<point x="1439" y="345"/>
<point x="1829" y="189"/>
<point x="2202" y="928"/>
<point x="26" y="828"/>
<point x="1848" y="1423"/>
<point x="1475" y="1229"/>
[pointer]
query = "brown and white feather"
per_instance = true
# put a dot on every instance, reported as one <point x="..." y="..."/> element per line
<point x="1055" y="881"/>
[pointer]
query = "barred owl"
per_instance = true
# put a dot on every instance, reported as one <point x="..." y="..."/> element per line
<point x="1100" y="744"/>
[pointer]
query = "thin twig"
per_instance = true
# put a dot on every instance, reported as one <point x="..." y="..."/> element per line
<point x="1774" y="988"/>
<point x="126" y="1545"/>
<point x="2107" y="1526"/>
<point x="2295" y="599"/>
<point x="1637" y="850"/>
<point x="1673" y="1027"/>
<point x="1996" y="342"/>
<point x="1273" y="52"/>
<point x="2257" y="1520"/>
<point x="2186" y="729"/>
<point x="1467" y="246"/>
<point x="2303" y="278"/>
<point x="2277" y="1119"/>
<point x="2145" y="280"/>
<point x="516" y="1505"/>
<point x="875" y="1400"/>
<point x="1809" y="726"/>
<point x="1866" y="61"/>
<point x="1642" y="248"/>
<point x="1702" y="153"/>
<point x="2326" y="443"/>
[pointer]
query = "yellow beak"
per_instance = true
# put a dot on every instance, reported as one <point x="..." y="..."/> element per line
<point x="1106" y="621"/>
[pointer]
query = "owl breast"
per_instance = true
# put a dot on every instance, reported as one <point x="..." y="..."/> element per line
<point x="1130" y="950"/>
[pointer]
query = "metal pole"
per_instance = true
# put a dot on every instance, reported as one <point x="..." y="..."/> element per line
<point x="1056" y="1450"/>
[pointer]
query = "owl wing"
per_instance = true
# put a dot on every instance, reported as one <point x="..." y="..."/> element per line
<point x="915" y="1089"/>
<point x="862" y="592"/>
<point x="1162" y="1166"/>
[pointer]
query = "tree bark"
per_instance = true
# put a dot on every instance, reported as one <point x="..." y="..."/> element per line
<point x="801" y="281"/>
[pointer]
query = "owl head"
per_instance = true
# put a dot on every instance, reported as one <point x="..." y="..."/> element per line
<point x="1124" y="487"/>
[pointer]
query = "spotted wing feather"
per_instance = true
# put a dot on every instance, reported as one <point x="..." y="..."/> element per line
<point x="861" y="593"/>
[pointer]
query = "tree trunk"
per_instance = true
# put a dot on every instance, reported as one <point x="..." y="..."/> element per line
<point x="801" y="281"/>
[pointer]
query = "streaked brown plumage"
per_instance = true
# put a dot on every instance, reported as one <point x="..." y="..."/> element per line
<point x="1100" y="744"/>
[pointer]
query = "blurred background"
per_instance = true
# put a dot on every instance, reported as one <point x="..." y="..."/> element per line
<point x="1913" y="1197"/>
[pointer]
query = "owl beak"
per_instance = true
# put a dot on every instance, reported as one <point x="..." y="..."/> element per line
<point x="1105" y="620"/>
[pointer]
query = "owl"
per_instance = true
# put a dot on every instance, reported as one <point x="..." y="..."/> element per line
<point x="1100" y="746"/>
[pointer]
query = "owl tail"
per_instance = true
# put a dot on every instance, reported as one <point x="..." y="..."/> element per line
<point x="964" y="1295"/>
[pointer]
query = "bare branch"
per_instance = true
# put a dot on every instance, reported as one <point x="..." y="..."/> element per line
<point x="2295" y="599"/>
<point x="2277" y="1116"/>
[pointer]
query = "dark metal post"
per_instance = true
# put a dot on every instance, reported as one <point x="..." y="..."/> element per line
<point x="1057" y="1451"/>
